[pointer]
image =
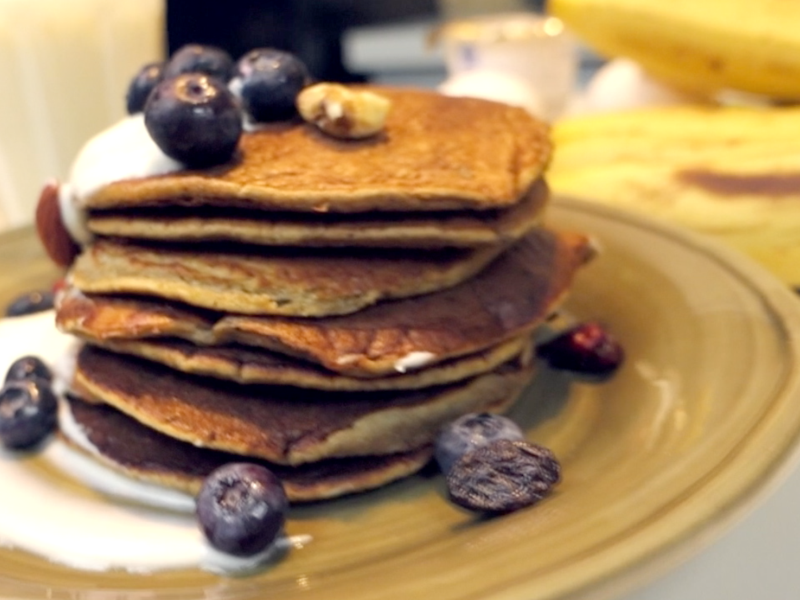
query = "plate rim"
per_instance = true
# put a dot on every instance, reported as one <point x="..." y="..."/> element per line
<point x="784" y="304"/>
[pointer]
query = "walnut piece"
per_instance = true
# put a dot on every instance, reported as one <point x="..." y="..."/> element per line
<point x="343" y="112"/>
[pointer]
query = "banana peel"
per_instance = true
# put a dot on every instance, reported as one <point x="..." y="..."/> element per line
<point x="729" y="172"/>
<point x="701" y="47"/>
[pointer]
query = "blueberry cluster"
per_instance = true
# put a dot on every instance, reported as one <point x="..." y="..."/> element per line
<point x="490" y="467"/>
<point x="195" y="102"/>
<point x="28" y="406"/>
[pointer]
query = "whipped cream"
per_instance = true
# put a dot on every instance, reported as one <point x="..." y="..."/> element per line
<point x="123" y="151"/>
<point x="80" y="521"/>
<point x="413" y="360"/>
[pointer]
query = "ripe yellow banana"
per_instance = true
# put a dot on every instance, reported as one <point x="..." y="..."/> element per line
<point x="733" y="173"/>
<point x="698" y="46"/>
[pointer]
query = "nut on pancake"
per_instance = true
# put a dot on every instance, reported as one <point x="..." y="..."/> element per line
<point x="275" y="281"/>
<point x="139" y="452"/>
<point x="507" y="299"/>
<point x="435" y="153"/>
<point x="251" y="365"/>
<point x="374" y="229"/>
<point x="287" y="425"/>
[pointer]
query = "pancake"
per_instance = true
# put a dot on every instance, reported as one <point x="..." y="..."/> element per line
<point x="139" y="452"/>
<point x="374" y="229"/>
<point x="287" y="425"/>
<point x="275" y="281"/>
<point x="249" y="365"/>
<point x="506" y="300"/>
<point x="435" y="153"/>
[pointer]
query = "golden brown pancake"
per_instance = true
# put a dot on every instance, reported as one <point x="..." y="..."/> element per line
<point x="287" y="425"/>
<point x="375" y="229"/>
<point x="275" y="281"/>
<point x="250" y="365"/>
<point x="142" y="453"/>
<point x="435" y="153"/>
<point x="507" y="299"/>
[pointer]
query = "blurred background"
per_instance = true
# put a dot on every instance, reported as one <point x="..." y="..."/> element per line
<point x="342" y="40"/>
<point x="68" y="66"/>
<point x="692" y="114"/>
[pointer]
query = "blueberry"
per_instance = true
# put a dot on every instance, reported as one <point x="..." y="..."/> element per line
<point x="197" y="58"/>
<point x="469" y="432"/>
<point x="194" y="119"/>
<point x="28" y="367"/>
<point x="269" y="81"/>
<point x="31" y="302"/>
<point x="586" y="348"/>
<point x="141" y="85"/>
<point x="28" y="413"/>
<point x="241" y="508"/>
<point x="503" y="476"/>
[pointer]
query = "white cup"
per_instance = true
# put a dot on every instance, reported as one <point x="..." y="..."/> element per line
<point x="529" y="46"/>
<point x="66" y="66"/>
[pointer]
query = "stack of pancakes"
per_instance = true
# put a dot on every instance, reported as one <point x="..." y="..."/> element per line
<point x="321" y="305"/>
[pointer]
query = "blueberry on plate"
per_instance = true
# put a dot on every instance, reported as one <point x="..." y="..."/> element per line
<point x="194" y="119"/>
<point x="28" y="413"/>
<point x="241" y="508"/>
<point x="28" y="367"/>
<point x="197" y="58"/>
<point x="470" y="432"/>
<point x="148" y="77"/>
<point x="31" y="302"/>
<point x="586" y="348"/>
<point x="268" y="81"/>
<point x="503" y="476"/>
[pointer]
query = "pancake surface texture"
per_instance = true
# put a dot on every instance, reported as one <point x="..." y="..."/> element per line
<point x="272" y="281"/>
<point x="142" y="453"/>
<point x="435" y="153"/>
<point x="507" y="299"/>
<point x="250" y="365"/>
<point x="283" y="424"/>
<point x="374" y="229"/>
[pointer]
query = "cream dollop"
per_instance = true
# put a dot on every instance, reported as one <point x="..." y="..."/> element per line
<point x="123" y="151"/>
<point x="151" y="529"/>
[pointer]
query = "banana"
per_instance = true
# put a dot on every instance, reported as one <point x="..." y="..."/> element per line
<point x="698" y="46"/>
<point x="729" y="172"/>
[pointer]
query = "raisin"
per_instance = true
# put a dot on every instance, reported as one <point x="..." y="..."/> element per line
<point x="503" y="476"/>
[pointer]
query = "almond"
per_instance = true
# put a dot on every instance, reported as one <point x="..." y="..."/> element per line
<point x="53" y="234"/>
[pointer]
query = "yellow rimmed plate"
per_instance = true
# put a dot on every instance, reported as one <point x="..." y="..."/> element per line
<point x="702" y="420"/>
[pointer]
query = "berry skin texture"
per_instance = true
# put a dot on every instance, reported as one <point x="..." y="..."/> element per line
<point x="241" y="508"/>
<point x="587" y="348"/>
<point x="28" y="367"/>
<point x="469" y="432"/>
<point x="197" y="58"/>
<point x="30" y="303"/>
<point x="28" y="413"/>
<point x="503" y="476"/>
<point x="269" y="81"/>
<point x="194" y="119"/>
<point x="148" y="77"/>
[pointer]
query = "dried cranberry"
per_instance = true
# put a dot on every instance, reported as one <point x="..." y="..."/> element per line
<point x="503" y="476"/>
<point x="586" y="348"/>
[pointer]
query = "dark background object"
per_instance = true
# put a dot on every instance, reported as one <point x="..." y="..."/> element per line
<point x="312" y="29"/>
